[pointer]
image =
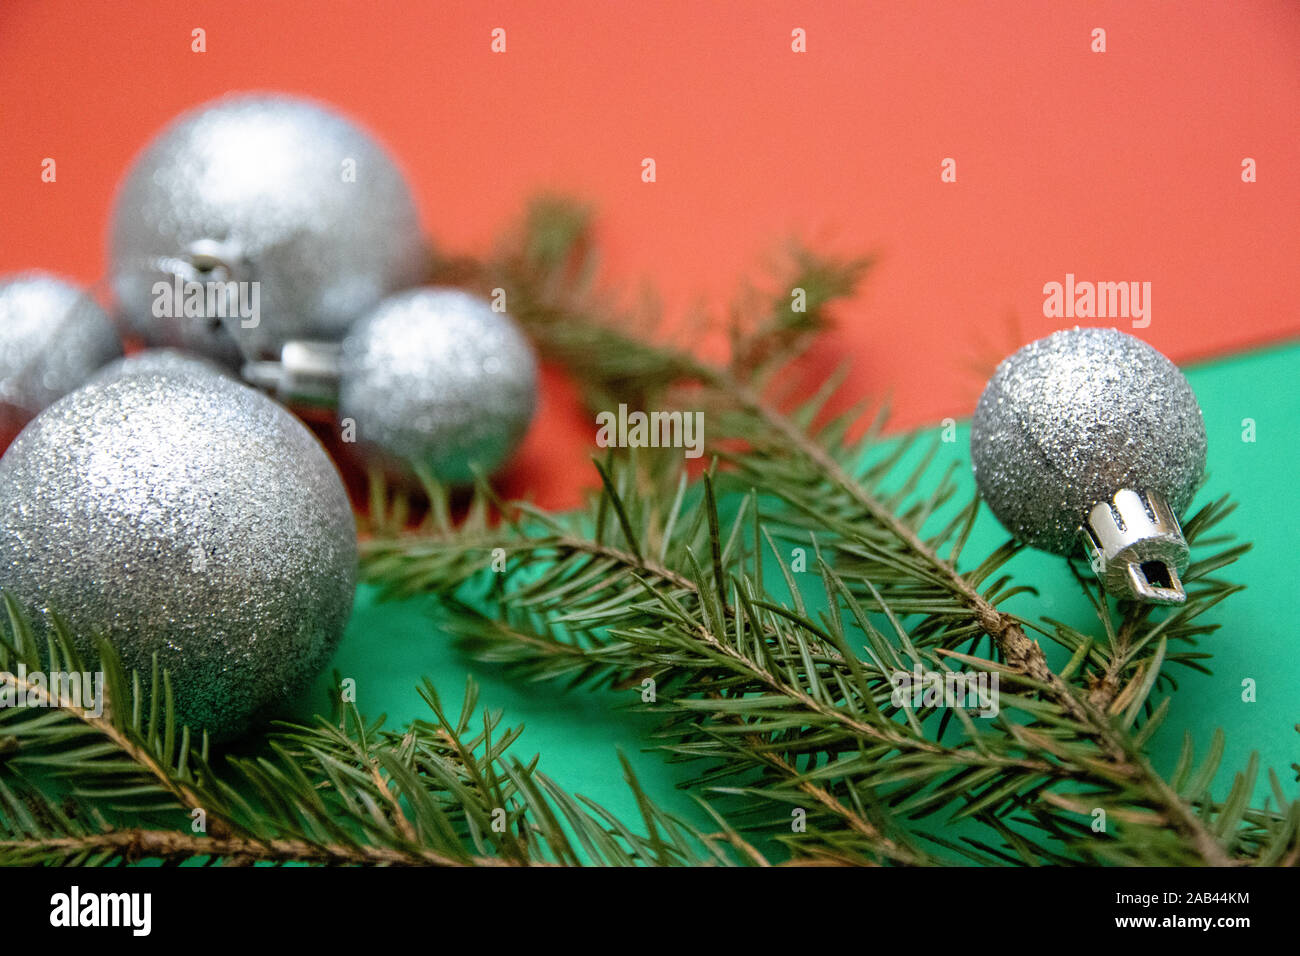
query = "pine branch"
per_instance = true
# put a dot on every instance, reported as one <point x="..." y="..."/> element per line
<point x="170" y="846"/>
<point x="438" y="793"/>
<point x="1023" y="655"/>
<point x="614" y="618"/>
<point x="753" y="676"/>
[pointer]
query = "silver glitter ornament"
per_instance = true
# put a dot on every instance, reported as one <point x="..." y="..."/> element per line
<point x="187" y="516"/>
<point x="436" y="377"/>
<point x="162" y="361"/>
<point x="302" y="210"/>
<point x="53" y="336"/>
<point x="1093" y="435"/>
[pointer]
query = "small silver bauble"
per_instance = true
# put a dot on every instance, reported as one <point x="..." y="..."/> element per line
<point x="164" y="361"/>
<point x="436" y="377"/>
<point x="1092" y="434"/>
<point x="53" y="336"/>
<point x="186" y="516"/>
<point x="269" y="190"/>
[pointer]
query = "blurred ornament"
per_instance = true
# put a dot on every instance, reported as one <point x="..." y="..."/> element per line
<point x="434" y="377"/>
<point x="53" y="336"/>
<point x="304" y="212"/>
<point x="186" y="516"/>
<point x="161" y="361"/>
<point x="1093" y="434"/>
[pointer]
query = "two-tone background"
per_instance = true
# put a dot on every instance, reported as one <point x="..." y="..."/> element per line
<point x="1122" y="165"/>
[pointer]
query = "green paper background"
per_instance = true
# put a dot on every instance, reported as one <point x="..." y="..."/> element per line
<point x="390" y="646"/>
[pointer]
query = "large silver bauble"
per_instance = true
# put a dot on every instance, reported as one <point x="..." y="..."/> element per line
<point x="269" y="189"/>
<point x="1073" y="418"/>
<point x="437" y="378"/>
<point x="53" y="336"/>
<point x="163" y="361"/>
<point x="189" y="517"/>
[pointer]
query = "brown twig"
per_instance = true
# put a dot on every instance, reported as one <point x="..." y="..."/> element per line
<point x="168" y="845"/>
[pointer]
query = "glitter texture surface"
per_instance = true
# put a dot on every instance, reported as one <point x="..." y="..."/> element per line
<point x="53" y="336"/>
<point x="188" y="516"/>
<point x="1074" y="417"/>
<point x="436" y="377"/>
<point x="162" y="361"/>
<point x="291" y="195"/>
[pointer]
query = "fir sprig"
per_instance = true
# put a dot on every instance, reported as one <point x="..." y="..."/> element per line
<point x="777" y="702"/>
<point x="84" y="788"/>
<point x="777" y="699"/>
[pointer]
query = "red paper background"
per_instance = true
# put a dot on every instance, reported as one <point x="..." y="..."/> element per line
<point x="1116" y="166"/>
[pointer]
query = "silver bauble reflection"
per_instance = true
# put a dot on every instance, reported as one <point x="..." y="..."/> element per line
<point x="270" y="189"/>
<point x="1069" y="422"/>
<point x="436" y="377"/>
<point x="164" y="361"/>
<point x="187" y="516"/>
<point x="53" y="336"/>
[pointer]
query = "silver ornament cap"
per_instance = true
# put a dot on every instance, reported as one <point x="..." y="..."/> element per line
<point x="1091" y="438"/>
<point x="438" y="378"/>
<point x="190" y="517"/>
<point x="53" y="336"/>
<point x="257" y="219"/>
